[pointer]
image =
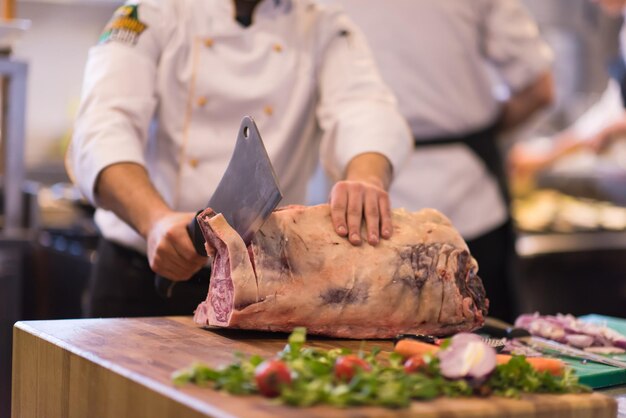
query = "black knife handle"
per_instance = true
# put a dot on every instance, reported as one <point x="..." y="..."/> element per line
<point x="196" y="235"/>
<point x="500" y="329"/>
<point x="165" y="287"/>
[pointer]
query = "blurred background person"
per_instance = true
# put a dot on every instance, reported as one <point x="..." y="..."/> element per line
<point x="594" y="131"/>
<point x="444" y="60"/>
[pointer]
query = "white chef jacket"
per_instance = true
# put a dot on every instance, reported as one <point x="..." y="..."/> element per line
<point x="608" y="109"/>
<point x="302" y="71"/>
<point x="436" y="56"/>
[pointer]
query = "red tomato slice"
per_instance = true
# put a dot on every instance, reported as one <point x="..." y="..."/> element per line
<point x="415" y="364"/>
<point x="271" y="376"/>
<point x="346" y="366"/>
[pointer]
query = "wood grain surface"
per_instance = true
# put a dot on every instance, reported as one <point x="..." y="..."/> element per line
<point x="121" y="368"/>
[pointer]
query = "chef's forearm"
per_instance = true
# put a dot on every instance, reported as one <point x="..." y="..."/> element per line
<point x="126" y="190"/>
<point x="525" y="103"/>
<point x="370" y="167"/>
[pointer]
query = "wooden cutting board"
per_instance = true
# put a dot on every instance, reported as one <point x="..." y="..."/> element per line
<point x="121" y="368"/>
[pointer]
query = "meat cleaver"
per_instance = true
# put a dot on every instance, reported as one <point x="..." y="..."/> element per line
<point x="246" y="195"/>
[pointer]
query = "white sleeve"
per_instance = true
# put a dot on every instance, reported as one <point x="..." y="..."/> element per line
<point x="357" y="111"/>
<point x="512" y="43"/>
<point x="118" y="98"/>
<point x="608" y="109"/>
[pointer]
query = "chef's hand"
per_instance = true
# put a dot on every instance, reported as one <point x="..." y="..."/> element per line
<point x="525" y="162"/>
<point x="170" y="251"/>
<point x="362" y="196"/>
<point x="602" y="140"/>
<point x="527" y="159"/>
<point x="126" y="190"/>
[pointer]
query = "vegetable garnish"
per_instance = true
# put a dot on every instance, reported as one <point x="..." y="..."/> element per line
<point x="270" y="376"/>
<point x="467" y="356"/>
<point x="347" y="366"/>
<point x="306" y="376"/>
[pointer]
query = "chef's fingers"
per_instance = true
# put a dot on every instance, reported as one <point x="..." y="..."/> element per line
<point x="354" y="212"/>
<point x="372" y="216"/>
<point x="169" y="261"/>
<point x="338" y="205"/>
<point x="177" y="273"/>
<point x="188" y="255"/>
<point x="184" y="247"/>
<point x="170" y="251"/>
<point x="384" y="205"/>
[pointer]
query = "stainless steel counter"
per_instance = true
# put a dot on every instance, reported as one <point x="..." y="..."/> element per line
<point x="529" y="245"/>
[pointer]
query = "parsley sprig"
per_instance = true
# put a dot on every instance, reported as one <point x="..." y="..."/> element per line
<point x="386" y="384"/>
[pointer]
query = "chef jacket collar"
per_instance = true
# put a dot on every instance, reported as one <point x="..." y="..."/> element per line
<point x="274" y="7"/>
<point x="266" y="8"/>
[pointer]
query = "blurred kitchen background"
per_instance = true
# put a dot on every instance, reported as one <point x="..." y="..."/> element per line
<point x="572" y="233"/>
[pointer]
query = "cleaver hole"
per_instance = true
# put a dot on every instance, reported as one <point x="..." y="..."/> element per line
<point x="246" y="132"/>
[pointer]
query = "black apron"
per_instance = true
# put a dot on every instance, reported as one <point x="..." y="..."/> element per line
<point x="122" y="285"/>
<point x="494" y="250"/>
<point x="483" y="143"/>
<point x="617" y="71"/>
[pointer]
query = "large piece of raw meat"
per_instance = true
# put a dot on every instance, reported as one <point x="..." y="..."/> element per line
<point x="298" y="272"/>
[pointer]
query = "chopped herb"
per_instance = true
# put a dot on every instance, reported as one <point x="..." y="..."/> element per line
<point x="386" y="384"/>
<point x="517" y="376"/>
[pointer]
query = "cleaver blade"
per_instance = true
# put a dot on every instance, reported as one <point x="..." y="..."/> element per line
<point x="248" y="192"/>
<point x="246" y="195"/>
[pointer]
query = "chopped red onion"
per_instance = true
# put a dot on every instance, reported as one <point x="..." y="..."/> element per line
<point x="578" y="340"/>
<point x="571" y="330"/>
<point x="467" y="356"/>
<point x="519" y="349"/>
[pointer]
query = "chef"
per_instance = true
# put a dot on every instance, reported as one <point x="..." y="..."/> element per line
<point x="165" y="90"/>
<point x="438" y="57"/>
<point x="601" y="124"/>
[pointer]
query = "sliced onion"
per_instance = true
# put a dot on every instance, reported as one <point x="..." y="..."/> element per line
<point x="467" y="356"/>
<point x="579" y="340"/>
<point x="524" y="320"/>
<point x="569" y="329"/>
<point x="520" y="349"/>
<point x="547" y="329"/>
<point x="620" y="344"/>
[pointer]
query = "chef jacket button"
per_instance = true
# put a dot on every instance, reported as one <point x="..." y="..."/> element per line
<point x="269" y="110"/>
<point x="208" y="42"/>
<point x="278" y="48"/>
<point x="202" y="101"/>
<point x="193" y="162"/>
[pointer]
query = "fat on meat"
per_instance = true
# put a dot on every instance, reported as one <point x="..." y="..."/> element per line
<point x="298" y="272"/>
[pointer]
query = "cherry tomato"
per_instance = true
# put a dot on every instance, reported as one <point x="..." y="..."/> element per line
<point x="270" y="376"/>
<point x="346" y="366"/>
<point x="415" y="364"/>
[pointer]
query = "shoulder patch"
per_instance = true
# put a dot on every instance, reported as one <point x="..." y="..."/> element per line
<point x="124" y="26"/>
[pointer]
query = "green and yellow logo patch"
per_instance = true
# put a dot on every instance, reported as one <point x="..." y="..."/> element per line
<point x="124" y="26"/>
